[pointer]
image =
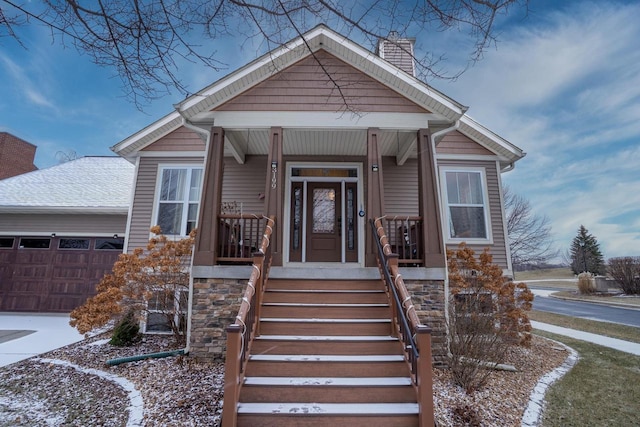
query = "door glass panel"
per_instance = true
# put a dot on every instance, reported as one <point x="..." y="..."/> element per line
<point x="350" y="219"/>
<point x="324" y="210"/>
<point x="297" y="217"/>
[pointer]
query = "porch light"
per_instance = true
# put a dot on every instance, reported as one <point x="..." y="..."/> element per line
<point x="374" y="167"/>
<point x="274" y="165"/>
<point x="115" y="236"/>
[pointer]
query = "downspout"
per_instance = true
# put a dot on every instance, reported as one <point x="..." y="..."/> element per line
<point x="207" y="138"/>
<point x="440" y="134"/>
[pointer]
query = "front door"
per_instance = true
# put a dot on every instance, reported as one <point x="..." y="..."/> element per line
<point x="323" y="216"/>
<point x="324" y="222"/>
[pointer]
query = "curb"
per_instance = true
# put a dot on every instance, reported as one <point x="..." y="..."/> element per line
<point x="533" y="414"/>
<point x="608" y="303"/>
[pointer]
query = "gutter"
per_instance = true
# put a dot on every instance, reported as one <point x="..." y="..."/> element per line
<point x="440" y="134"/>
<point x="207" y="138"/>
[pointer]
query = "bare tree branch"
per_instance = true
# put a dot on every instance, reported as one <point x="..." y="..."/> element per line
<point x="530" y="239"/>
<point x="147" y="41"/>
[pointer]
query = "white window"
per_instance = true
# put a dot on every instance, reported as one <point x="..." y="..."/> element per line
<point x="466" y="204"/>
<point x="164" y="307"/>
<point x="178" y="200"/>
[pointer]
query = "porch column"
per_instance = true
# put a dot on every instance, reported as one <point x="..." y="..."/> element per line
<point x="274" y="192"/>
<point x="375" y="191"/>
<point x="428" y="202"/>
<point x="207" y="237"/>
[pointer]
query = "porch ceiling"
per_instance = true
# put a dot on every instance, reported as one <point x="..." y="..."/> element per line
<point x="310" y="142"/>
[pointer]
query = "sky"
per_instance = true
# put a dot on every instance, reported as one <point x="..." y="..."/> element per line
<point x="562" y="83"/>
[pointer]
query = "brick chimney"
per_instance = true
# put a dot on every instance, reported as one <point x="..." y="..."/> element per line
<point x="16" y="156"/>
<point x="398" y="51"/>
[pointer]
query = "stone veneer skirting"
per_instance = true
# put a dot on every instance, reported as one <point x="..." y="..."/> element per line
<point x="216" y="302"/>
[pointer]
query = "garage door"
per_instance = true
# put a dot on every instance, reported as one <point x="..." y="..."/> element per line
<point x="53" y="274"/>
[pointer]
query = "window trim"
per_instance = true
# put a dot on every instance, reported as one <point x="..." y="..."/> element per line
<point x="190" y="167"/>
<point x="446" y="206"/>
<point x="180" y="312"/>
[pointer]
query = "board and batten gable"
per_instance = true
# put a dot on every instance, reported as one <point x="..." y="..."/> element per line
<point x="305" y="86"/>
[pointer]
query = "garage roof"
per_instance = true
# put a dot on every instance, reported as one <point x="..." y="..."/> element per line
<point x="88" y="184"/>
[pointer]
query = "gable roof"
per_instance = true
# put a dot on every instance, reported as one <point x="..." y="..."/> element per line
<point x="197" y="109"/>
<point x="85" y="185"/>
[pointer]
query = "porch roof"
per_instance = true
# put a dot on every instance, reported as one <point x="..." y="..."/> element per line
<point x="198" y="111"/>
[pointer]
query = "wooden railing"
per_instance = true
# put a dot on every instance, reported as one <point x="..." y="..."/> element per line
<point x="404" y="235"/>
<point x="415" y="336"/>
<point x="242" y="331"/>
<point x="239" y="236"/>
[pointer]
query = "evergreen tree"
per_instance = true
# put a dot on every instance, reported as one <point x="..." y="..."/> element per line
<point x="585" y="253"/>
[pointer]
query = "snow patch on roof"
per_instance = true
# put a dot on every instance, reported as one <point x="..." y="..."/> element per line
<point x="88" y="182"/>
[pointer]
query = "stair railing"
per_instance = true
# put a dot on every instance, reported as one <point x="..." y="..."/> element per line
<point x="415" y="336"/>
<point x="245" y="328"/>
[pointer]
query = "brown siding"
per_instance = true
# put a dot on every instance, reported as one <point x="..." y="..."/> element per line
<point x="305" y="86"/>
<point x="244" y="184"/>
<point x="181" y="139"/>
<point x="400" y="187"/>
<point x="145" y="186"/>
<point x="63" y="223"/>
<point x="457" y="143"/>
<point x="498" y="249"/>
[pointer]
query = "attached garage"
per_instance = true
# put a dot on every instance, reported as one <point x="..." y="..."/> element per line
<point x="61" y="230"/>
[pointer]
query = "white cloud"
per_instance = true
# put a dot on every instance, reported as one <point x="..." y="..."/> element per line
<point x="565" y="88"/>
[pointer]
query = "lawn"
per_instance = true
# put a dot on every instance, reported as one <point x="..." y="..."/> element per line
<point x="602" y="389"/>
<point x="549" y="273"/>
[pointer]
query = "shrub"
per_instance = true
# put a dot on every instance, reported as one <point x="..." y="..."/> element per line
<point x="126" y="332"/>
<point x="487" y="312"/>
<point x="626" y="272"/>
<point x="586" y="283"/>
<point x="154" y="283"/>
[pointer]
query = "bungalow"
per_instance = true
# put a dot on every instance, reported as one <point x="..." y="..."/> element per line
<point x="285" y="164"/>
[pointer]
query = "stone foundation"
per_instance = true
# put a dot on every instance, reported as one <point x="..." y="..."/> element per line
<point x="215" y="305"/>
<point x="429" y="301"/>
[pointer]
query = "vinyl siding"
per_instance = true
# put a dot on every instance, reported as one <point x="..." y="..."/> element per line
<point x="498" y="249"/>
<point x="400" y="187"/>
<point x="244" y="183"/>
<point x="145" y="187"/>
<point x="181" y="139"/>
<point x="305" y="86"/>
<point x="457" y="143"/>
<point x="62" y="224"/>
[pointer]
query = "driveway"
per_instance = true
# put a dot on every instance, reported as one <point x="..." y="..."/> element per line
<point x="24" y="335"/>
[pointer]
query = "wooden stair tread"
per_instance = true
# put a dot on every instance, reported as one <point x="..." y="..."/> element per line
<point x="321" y="320"/>
<point x="329" y="408"/>
<point x="296" y="304"/>
<point x="329" y="381"/>
<point x="327" y="358"/>
<point x="326" y="338"/>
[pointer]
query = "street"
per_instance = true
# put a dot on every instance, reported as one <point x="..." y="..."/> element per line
<point x="587" y="310"/>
